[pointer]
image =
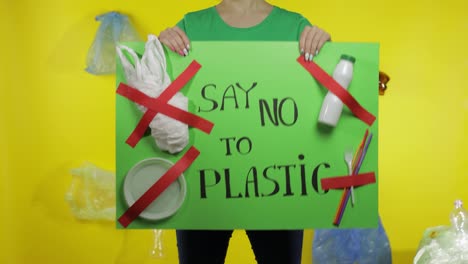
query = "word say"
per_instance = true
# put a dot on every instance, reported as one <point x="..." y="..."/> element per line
<point x="230" y="94"/>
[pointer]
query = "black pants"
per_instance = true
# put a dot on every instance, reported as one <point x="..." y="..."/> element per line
<point x="210" y="247"/>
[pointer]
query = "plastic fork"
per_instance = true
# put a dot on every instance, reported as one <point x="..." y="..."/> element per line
<point x="348" y="156"/>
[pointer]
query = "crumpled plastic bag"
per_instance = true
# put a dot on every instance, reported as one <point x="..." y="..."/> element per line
<point x="351" y="246"/>
<point x="114" y="28"/>
<point x="446" y="244"/>
<point x="91" y="195"/>
<point x="149" y="75"/>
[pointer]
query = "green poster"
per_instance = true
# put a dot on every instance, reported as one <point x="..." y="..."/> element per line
<point x="262" y="164"/>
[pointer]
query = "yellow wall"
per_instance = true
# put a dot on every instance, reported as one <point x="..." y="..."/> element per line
<point x="54" y="116"/>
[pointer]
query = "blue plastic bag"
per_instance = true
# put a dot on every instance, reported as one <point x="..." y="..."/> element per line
<point x="351" y="246"/>
<point x="114" y="28"/>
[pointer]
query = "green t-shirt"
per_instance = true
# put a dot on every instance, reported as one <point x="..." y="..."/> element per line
<point x="279" y="25"/>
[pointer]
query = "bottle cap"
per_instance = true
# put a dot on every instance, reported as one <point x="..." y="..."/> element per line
<point x="348" y="58"/>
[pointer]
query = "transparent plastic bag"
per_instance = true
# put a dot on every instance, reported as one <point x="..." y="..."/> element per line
<point x="141" y="246"/>
<point x="446" y="244"/>
<point x="91" y="195"/>
<point x="351" y="246"/>
<point x="114" y="28"/>
<point x="157" y="251"/>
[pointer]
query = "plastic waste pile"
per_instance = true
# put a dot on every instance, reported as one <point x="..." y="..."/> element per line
<point x="446" y="244"/>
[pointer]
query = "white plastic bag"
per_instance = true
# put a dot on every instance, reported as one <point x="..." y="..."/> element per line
<point x="149" y="75"/>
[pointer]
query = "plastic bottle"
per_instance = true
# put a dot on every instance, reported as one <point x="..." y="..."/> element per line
<point x="332" y="105"/>
<point x="459" y="218"/>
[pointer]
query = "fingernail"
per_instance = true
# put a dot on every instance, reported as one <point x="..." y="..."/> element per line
<point x="188" y="46"/>
<point x="302" y="51"/>
<point x="311" y="57"/>
<point x="185" y="52"/>
<point x="181" y="53"/>
<point x="306" y="56"/>
<point x="316" y="52"/>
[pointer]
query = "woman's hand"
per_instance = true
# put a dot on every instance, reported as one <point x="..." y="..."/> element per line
<point x="312" y="40"/>
<point x="176" y="40"/>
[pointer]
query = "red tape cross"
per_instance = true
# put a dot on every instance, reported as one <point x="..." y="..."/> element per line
<point x="160" y="105"/>
<point x="328" y="82"/>
<point x="157" y="188"/>
<point x="347" y="181"/>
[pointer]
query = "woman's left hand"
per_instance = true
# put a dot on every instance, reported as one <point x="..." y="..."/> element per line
<point x="312" y="40"/>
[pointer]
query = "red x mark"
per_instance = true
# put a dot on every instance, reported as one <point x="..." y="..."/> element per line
<point x="345" y="182"/>
<point x="328" y="82"/>
<point x="342" y="182"/>
<point x="160" y="105"/>
<point x="158" y="187"/>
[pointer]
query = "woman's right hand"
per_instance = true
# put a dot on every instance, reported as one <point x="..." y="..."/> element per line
<point x="311" y="41"/>
<point x="176" y="40"/>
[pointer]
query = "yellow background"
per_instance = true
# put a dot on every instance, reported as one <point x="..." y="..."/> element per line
<point x="54" y="116"/>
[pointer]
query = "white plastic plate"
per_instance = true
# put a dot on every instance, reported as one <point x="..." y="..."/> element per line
<point x="142" y="176"/>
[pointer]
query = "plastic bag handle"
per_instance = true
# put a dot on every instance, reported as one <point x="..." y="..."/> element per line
<point x="419" y="255"/>
<point x="128" y="66"/>
<point x="160" y="49"/>
<point x="154" y="54"/>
